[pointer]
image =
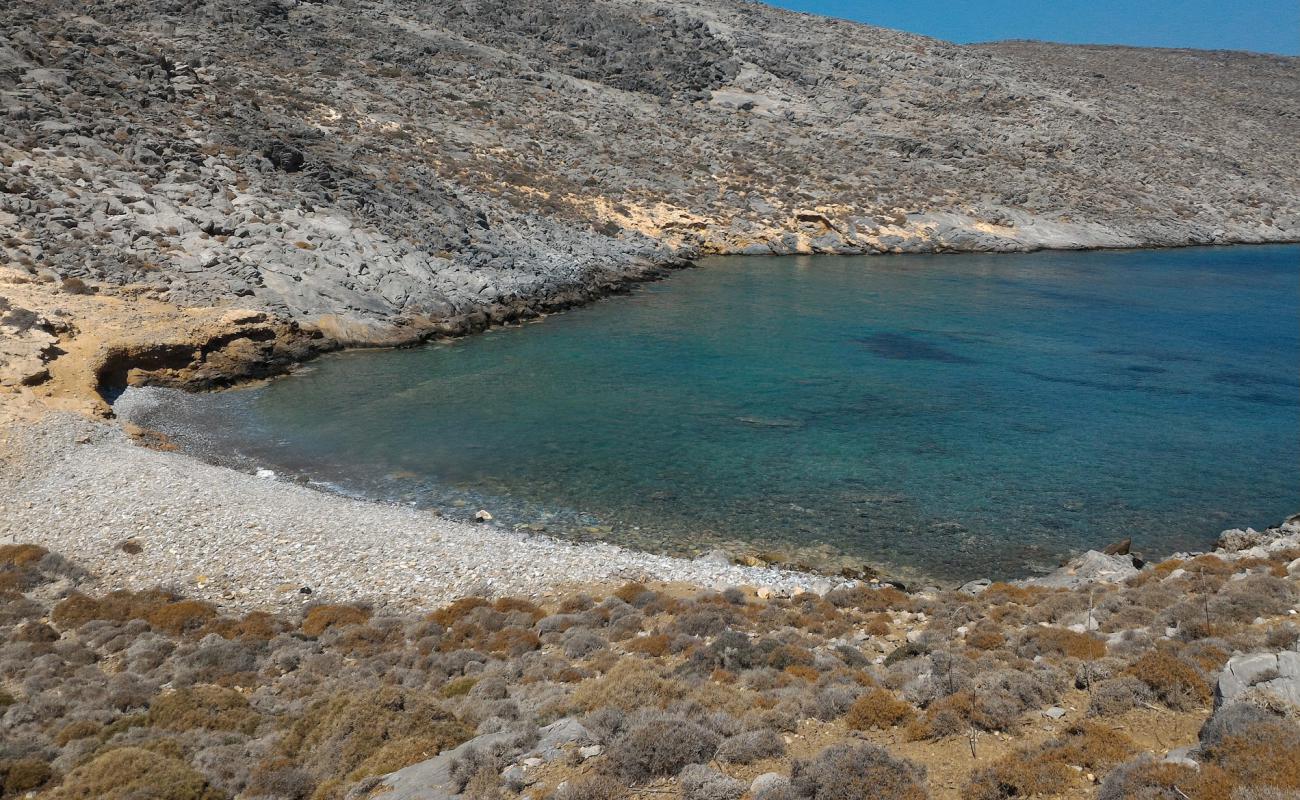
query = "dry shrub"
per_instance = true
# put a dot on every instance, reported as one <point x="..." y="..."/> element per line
<point x="278" y="777"/>
<point x="21" y="775"/>
<point x="1118" y="695"/>
<point x="637" y="594"/>
<point x="395" y="755"/>
<point x="131" y="773"/>
<point x="513" y="641"/>
<point x="1046" y="770"/>
<point x="457" y="687"/>
<point x="507" y="604"/>
<point x="254" y="626"/>
<point x="80" y="729"/>
<point x="878" y="624"/>
<point x="163" y="610"/>
<point x="1148" y="779"/>
<point x="751" y="746"/>
<point x="998" y="593"/>
<point x="1176" y="683"/>
<point x="1061" y="642"/>
<point x="450" y="615"/>
<point x="869" y="600"/>
<point x="858" y="772"/>
<point x="1209" y="564"/>
<point x="801" y="672"/>
<point x="181" y="616"/>
<point x="660" y="746"/>
<point x="878" y="708"/>
<point x="321" y="618"/>
<point x="788" y="655"/>
<point x="986" y="636"/>
<point x="1262" y="753"/>
<point x="592" y="787"/>
<point x="1019" y="774"/>
<point x="21" y="555"/>
<point x="338" y="733"/>
<point x="655" y="645"/>
<point x="210" y="707"/>
<point x="631" y="684"/>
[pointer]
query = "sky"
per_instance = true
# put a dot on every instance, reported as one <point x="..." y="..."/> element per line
<point x="1268" y="26"/>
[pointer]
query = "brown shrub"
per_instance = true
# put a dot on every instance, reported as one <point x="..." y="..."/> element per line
<point x="162" y="610"/>
<point x="1061" y="642"/>
<point x="179" y="617"/>
<point x="451" y="614"/>
<point x="80" y="729"/>
<point x="128" y="773"/>
<point x="22" y="775"/>
<point x="998" y="593"/>
<point x="878" y="708"/>
<point x="255" y="625"/>
<point x="513" y="641"/>
<point x="660" y="746"/>
<point x="986" y="636"/>
<point x="878" y="624"/>
<point x="1262" y="754"/>
<point x="321" y="618"/>
<point x="1176" y="683"/>
<point x="507" y="604"/>
<point x="210" y="707"/>
<point x="631" y="684"/>
<point x="340" y="732"/>
<point x="1147" y="778"/>
<point x="1019" y="774"/>
<point x="801" y="672"/>
<point x="21" y="555"/>
<point x="1046" y="770"/>
<point x="395" y="755"/>
<point x="457" y="687"/>
<point x="655" y="645"/>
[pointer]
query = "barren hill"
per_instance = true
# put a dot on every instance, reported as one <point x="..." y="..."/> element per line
<point x="357" y="163"/>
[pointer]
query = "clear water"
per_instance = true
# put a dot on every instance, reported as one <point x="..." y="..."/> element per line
<point x="954" y="416"/>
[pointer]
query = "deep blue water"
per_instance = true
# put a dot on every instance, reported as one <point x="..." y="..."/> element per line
<point x="954" y="415"/>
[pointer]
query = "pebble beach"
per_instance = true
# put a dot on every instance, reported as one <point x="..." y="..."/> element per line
<point x="84" y="489"/>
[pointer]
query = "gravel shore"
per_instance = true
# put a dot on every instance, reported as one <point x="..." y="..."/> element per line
<point x="82" y="488"/>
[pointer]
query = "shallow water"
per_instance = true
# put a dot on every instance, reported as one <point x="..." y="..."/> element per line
<point x="952" y="415"/>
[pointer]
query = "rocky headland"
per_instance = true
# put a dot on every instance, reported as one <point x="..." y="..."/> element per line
<point x="380" y="171"/>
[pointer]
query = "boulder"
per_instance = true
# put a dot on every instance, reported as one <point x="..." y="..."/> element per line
<point x="431" y="779"/>
<point x="1091" y="567"/>
<point x="1270" y="677"/>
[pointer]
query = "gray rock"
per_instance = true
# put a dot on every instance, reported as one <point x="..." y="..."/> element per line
<point x="976" y="586"/>
<point x="554" y="737"/>
<point x="431" y="779"/>
<point x="1272" y="675"/>
<point x="1091" y="567"/>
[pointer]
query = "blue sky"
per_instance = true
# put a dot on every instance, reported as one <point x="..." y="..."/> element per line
<point x="1270" y="26"/>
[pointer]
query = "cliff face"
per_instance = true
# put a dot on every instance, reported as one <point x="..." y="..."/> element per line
<point x="355" y="164"/>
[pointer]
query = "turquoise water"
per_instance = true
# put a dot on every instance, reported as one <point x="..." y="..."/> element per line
<point x="951" y="415"/>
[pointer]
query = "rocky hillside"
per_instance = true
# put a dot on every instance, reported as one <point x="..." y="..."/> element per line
<point x="360" y="163"/>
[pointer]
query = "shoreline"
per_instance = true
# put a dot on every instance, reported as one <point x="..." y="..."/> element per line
<point x="82" y="488"/>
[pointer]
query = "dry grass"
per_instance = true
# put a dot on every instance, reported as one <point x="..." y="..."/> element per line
<point x="630" y="685"/>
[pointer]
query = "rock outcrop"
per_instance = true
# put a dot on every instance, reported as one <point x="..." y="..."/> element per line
<point x="381" y="168"/>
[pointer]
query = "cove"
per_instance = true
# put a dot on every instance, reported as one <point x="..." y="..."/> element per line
<point x="951" y="416"/>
